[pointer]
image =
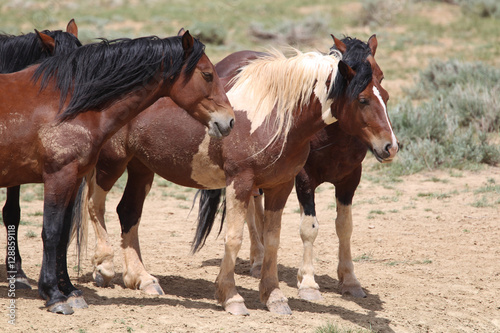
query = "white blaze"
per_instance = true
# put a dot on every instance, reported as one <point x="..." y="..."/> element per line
<point x="377" y="93"/>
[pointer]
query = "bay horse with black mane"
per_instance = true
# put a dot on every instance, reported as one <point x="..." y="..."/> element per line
<point x="17" y="53"/>
<point x="280" y="104"/>
<point x="53" y="134"/>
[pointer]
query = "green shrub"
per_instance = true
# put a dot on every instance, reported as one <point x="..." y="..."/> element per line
<point x="482" y="8"/>
<point x="459" y="107"/>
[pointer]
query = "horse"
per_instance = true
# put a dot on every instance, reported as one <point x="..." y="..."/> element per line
<point x="335" y="157"/>
<point x="345" y="187"/>
<point x="280" y="104"/>
<point x="18" y="52"/>
<point x="53" y="134"/>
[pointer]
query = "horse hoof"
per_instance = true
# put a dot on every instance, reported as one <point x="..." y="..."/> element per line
<point x="61" y="307"/>
<point x="100" y="281"/>
<point x="153" y="289"/>
<point x="77" y="302"/>
<point x="237" y="309"/>
<point x="356" y="292"/>
<point x="279" y="307"/>
<point x="22" y="283"/>
<point x="310" y="294"/>
<point x="277" y="303"/>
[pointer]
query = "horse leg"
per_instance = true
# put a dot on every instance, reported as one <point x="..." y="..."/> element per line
<point x="255" y="220"/>
<point x="309" y="227"/>
<point x="344" y="192"/>
<point x="11" y="214"/>
<point x="129" y="210"/>
<point x="75" y="296"/>
<point x="225" y="286"/>
<point x="270" y="293"/>
<point x="59" y="191"/>
<point x="104" y="269"/>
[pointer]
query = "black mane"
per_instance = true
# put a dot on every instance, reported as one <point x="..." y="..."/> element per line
<point x="355" y="56"/>
<point x="99" y="73"/>
<point x="18" y="52"/>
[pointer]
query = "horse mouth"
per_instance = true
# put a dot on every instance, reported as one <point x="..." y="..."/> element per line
<point x="380" y="158"/>
<point x="217" y="130"/>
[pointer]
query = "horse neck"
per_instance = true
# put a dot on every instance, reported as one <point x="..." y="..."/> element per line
<point x="307" y="122"/>
<point x="123" y="111"/>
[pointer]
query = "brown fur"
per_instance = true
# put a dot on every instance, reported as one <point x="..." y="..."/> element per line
<point x="245" y="169"/>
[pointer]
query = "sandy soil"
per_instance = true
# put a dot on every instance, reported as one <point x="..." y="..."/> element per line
<point x="426" y="252"/>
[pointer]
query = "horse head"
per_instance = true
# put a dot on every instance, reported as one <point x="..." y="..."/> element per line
<point x="360" y="101"/>
<point x="202" y="92"/>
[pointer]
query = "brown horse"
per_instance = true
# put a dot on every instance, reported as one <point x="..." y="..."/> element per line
<point x="41" y="144"/>
<point x="283" y="103"/>
<point x="368" y="121"/>
<point x="17" y="53"/>
<point x="335" y="157"/>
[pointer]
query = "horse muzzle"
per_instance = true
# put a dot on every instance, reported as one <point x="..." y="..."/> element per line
<point x="387" y="153"/>
<point x="220" y="125"/>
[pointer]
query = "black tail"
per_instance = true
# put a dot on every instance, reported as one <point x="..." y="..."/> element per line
<point x="209" y="207"/>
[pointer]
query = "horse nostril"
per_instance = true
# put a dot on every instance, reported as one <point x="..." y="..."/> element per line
<point x="231" y="123"/>
<point x="387" y="148"/>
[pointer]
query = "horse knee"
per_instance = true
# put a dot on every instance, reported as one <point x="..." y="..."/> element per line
<point x="309" y="229"/>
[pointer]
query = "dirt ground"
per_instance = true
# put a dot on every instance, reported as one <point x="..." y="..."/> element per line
<point x="426" y="252"/>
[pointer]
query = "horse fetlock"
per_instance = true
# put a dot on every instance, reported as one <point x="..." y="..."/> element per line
<point x="256" y="270"/>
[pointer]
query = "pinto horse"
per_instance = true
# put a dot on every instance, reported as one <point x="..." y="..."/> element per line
<point x="335" y="157"/>
<point x="68" y="110"/>
<point x="281" y="103"/>
<point x="363" y="102"/>
<point x="17" y="53"/>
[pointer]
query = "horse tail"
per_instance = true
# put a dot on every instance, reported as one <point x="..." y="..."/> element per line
<point x="79" y="220"/>
<point x="209" y="208"/>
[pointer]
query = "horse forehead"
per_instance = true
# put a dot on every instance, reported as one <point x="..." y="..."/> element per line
<point x="204" y="63"/>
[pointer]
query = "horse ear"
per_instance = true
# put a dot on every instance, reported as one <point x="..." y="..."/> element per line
<point x="372" y="44"/>
<point x="48" y="42"/>
<point x="339" y="44"/>
<point x="72" y="28"/>
<point x="187" y="43"/>
<point x="181" y="32"/>
<point x="346" y="71"/>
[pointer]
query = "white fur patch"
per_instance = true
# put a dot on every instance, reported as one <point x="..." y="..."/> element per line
<point x="284" y="83"/>
<point x="204" y="171"/>
<point x="377" y="93"/>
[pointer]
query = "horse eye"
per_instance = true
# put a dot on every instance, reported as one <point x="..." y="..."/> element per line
<point x="363" y="101"/>
<point x="207" y="76"/>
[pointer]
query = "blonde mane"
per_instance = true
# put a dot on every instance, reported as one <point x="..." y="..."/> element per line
<point x="285" y="83"/>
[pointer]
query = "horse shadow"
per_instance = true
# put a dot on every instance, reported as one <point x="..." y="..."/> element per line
<point x="372" y="302"/>
<point x="199" y="294"/>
